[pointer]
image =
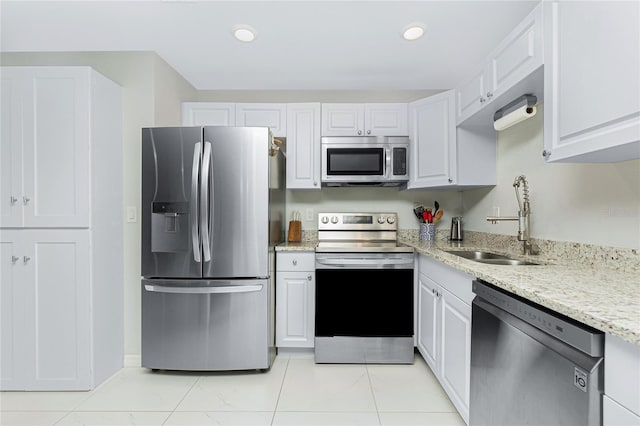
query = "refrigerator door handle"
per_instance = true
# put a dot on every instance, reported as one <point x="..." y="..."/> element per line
<point x="204" y="202"/>
<point x="203" y="290"/>
<point x="193" y="208"/>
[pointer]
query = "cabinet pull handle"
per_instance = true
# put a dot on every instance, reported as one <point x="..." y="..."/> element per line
<point x="450" y="180"/>
<point x="309" y="277"/>
<point x="482" y="100"/>
<point x="14" y="259"/>
<point x="489" y="95"/>
<point x="546" y="154"/>
<point x="13" y="200"/>
<point x="295" y="262"/>
<point x="25" y="259"/>
<point x="359" y="132"/>
<point x="25" y="200"/>
<point x="368" y="132"/>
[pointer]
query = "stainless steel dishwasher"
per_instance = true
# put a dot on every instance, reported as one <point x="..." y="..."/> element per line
<point x="530" y="365"/>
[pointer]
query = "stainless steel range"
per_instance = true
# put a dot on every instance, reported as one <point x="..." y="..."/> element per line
<point x="364" y="290"/>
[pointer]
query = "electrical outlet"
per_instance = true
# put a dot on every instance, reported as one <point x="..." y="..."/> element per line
<point x="309" y="214"/>
<point x="496" y="211"/>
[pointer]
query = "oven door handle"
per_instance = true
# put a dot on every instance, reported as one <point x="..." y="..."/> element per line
<point x="363" y="262"/>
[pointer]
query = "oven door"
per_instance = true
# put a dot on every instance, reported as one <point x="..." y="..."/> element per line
<point x="364" y="308"/>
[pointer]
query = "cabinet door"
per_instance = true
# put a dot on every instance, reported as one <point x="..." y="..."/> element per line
<point x="433" y="137"/>
<point x="386" y="119"/>
<point x="428" y="321"/>
<point x="470" y="95"/>
<point x="592" y="107"/>
<point x="273" y="116"/>
<point x="11" y="89"/>
<point x="614" y="414"/>
<point x="295" y="309"/>
<point x="13" y="367"/>
<point x="456" y="351"/>
<point x="56" y="147"/>
<point x="208" y="114"/>
<point x="516" y="57"/>
<point x="342" y="119"/>
<point x="57" y="308"/>
<point x="303" y="146"/>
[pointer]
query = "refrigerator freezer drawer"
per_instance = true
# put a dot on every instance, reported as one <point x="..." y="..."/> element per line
<point x="206" y="325"/>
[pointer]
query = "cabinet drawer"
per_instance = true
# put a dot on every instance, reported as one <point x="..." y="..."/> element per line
<point x="296" y="261"/>
<point x="456" y="282"/>
<point x="621" y="363"/>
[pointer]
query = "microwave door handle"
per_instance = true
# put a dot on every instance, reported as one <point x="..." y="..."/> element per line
<point x="204" y="202"/>
<point x="193" y="208"/>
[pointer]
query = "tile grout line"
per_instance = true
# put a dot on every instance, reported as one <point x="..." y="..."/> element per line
<point x="373" y="394"/>
<point x="182" y="399"/>
<point x="284" y="377"/>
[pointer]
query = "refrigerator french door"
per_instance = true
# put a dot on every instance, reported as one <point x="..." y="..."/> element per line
<point x="206" y="287"/>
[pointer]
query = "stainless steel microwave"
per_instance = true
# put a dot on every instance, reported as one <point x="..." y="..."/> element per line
<point x="365" y="161"/>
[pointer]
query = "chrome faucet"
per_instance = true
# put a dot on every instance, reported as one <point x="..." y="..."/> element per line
<point x="523" y="218"/>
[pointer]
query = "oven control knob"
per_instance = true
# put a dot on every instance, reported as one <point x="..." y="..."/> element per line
<point x="381" y="220"/>
<point x="325" y="219"/>
<point x="334" y="219"/>
<point x="391" y="220"/>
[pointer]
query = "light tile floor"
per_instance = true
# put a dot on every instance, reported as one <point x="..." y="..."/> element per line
<point x="295" y="391"/>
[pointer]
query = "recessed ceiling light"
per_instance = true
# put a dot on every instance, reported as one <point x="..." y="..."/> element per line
<point x="244" y="33"/>
<point x="413" y="31"/>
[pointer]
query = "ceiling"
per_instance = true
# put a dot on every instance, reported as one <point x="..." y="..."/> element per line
<point x="300" y="45"/>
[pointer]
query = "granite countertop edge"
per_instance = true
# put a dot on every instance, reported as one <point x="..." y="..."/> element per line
<point x="602" y="298"/>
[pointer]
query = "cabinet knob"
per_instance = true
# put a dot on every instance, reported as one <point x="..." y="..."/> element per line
<point x="25" y="200"/>
<point x="13" y="200"/>
<point x="368" y="132"/>
<point x="14" y="259"/>
<point x="309" y="277"/>
<point x="359" y="132"/>
<point x="295" y="262"/>
<point x="315" y="183"/>
<point x="489" y="95"/>
<point x="450" y="180"/>
<point x="25" y="259"/>
<point x="482" y="100"/>
<point x="546" y="154"/>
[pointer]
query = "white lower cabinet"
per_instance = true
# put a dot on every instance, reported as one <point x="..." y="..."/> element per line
<point x="295" y="299"/>
<point x="621" y="402"/>
<point x="54" y="337"/>
<point x="444" y="328"/>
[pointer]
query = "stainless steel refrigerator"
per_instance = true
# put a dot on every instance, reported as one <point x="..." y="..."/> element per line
<point x="212" y="212"/>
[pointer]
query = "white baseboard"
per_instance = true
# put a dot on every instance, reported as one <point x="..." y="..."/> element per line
<point x="132" y="360"/>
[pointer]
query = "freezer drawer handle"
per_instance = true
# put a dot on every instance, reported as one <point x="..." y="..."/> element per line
<point x="203" y="290"/>
<point x="195" y="172"/>
<point x="204" y="202"/>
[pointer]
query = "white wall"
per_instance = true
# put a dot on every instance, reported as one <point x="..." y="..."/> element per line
<point x="587" y="203"/>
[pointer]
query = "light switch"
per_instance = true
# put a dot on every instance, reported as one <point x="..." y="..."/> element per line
<point x="132" y="216"/>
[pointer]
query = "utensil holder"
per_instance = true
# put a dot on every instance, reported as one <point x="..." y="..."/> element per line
<point x="295" y="231"/>
<point x="427" y="232"/>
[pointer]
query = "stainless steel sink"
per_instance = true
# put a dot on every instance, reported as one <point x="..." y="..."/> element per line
<point x="489" y="258"/>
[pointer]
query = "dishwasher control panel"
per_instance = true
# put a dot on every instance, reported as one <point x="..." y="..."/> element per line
<point x="576" y="334"/>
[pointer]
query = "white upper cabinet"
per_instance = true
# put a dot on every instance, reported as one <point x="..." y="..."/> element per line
<point x="208" y="114"/>
<point x="445" y="156"/>
<point x="303" y="146"/>
<point x="509" y="64"/>
<point x="592" y="81"/>
<point x="45" y="148"/>
<point x="269" y="115"/>
<point x="433" y="141"/>
<point x="273" y="116"/>
<point x="375" y="119"/>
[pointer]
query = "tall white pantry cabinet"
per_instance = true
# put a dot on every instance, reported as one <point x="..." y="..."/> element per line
<point x="61" y="240"/>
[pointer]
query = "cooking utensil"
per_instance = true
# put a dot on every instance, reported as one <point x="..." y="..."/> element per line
<point x="437" y="206"/>
<point x="418" y="212"/>
<point x="438" y="216"/>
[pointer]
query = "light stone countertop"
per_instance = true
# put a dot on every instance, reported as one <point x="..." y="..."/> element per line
<point x="606" y="299"/>
<point x="603" y="298"/>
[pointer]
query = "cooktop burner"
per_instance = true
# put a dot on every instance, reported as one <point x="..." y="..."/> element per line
<point x="359" y="232"/>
